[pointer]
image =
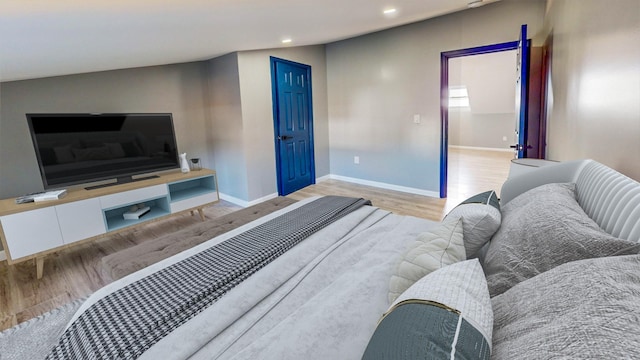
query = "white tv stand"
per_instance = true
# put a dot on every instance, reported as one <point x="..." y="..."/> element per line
<point x="34" y="230"/>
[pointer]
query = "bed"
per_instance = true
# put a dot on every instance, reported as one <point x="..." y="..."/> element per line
<point x="275" y="311"/>
<point x="551" y="270"/>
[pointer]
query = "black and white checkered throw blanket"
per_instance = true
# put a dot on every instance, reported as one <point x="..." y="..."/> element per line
<point x="127" y="322"/>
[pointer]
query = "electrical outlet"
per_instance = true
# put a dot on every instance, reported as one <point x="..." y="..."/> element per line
<point x="356" y="159"/>
<point x="504" y="138"/>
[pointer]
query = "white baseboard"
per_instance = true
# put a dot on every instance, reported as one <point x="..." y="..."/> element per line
<point x="323" y="178"/>
<point x="480" y="148"/>
<point x="382" y="185"/>
<point x="245" y="203"/>
<point x="3" y="256"/>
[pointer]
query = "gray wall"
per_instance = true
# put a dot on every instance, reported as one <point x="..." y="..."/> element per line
<point x="377" y="82"/>
<point x="226" y="136"/>
<point x="242" y="118"/>
<point x="366" y="91"/>
<point x="221" y="108"/>
<point x="174" y="88"/>
<point x="595" y="105"/>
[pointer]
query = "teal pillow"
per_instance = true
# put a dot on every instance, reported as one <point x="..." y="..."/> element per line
<point x="448" y="312"/>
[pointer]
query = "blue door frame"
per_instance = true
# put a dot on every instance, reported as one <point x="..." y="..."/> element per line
<point x="522" y="94"/>
<point x="444" y="99"/>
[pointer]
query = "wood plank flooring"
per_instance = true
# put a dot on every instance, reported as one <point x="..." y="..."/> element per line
<point x="75" y="273"/>
<point x="473" y="171"/>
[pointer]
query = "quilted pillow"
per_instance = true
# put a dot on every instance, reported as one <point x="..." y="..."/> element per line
<point x="586" y="309"/>
<point x="541" y="229"/>
<point x="446" y="313"/>
<point x="481" y="214"/>
<point x="443" y="245"/>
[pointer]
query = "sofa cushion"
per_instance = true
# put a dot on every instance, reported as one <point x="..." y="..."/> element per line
<point x="481" y="214"/>
<point x="585" y="309"/>
<point x="440" y="246"/>
<point x="541" y="229"/>
<point x="446" y="312"/>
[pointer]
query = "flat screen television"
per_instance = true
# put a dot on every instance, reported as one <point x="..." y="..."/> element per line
<point x="83" y="148"/>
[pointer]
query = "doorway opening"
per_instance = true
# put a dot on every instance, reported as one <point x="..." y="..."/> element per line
<point x="473" y="164"/>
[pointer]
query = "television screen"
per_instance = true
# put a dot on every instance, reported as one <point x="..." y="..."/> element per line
<point x="83" y="148"/>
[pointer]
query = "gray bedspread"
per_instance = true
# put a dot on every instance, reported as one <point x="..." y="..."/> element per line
<point x="321" y="299"/>
<point x="326" y="307"/>
<point x="126" y="322"/>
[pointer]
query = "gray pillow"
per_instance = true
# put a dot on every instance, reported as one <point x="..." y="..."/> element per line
<point x="541" y="229"/>
<point x="586" y="309"/>
<point x="481" y="215"/>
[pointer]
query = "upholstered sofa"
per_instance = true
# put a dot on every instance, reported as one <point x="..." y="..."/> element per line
<point x="583" y="299"/>
<point x="551" y="271"/>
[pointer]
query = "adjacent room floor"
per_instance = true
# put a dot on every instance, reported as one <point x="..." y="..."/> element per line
<point x="473" y="171"/>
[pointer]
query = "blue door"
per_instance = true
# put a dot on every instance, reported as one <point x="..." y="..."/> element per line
<point x="293" y="125"/>
<point x="522" y="88"/>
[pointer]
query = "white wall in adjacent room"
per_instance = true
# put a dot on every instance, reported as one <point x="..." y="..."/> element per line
<point x="489" y="120"/>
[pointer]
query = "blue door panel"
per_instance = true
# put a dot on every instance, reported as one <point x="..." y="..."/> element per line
<point x="287" y="112"/>
<point x="302" y="150"/>
<point x="301" y="115"/>
<point x="293" y="126"/>
<point x="290" y="163"/>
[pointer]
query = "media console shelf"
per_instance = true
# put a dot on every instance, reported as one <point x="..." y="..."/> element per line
<point x="34" y="230"/>
<point x="115" y="220"/>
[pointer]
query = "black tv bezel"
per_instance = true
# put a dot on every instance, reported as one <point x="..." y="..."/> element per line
<point x="120" y="178"/>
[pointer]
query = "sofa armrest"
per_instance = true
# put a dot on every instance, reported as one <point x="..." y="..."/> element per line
<point x="557" y="173"/>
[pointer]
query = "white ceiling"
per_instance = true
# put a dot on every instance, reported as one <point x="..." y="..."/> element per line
<point x="41" y="38"/>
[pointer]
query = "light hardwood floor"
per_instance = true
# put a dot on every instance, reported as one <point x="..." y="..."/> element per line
<point x="473" y="171"/>
<point x="75" y="273"/>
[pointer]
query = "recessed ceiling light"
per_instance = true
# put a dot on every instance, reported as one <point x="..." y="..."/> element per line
<point x="390" y="12"/>
<point x="286" y="41"/>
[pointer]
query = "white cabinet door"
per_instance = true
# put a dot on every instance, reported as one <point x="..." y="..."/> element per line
<point x="31" y="231"/>
<point x="194" y="202"/>
<point x="80" y="220"/>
